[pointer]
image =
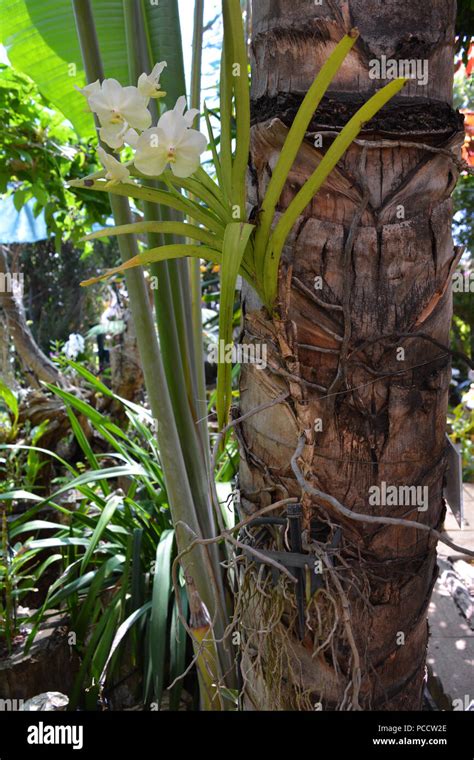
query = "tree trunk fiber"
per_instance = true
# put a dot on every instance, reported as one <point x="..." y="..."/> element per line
<point x="368" y="264"/>
<point x="36" y="366"/>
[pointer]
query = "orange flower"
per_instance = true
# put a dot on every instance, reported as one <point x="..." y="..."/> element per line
<point x="468" y="147"/>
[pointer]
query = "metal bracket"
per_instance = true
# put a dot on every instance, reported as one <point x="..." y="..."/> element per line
<point x="295" y="559"/>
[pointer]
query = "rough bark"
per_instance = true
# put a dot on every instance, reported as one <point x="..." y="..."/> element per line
<point x="36" y="365"/>
<point x="126" y="373"/>
<point x="378" y="234"/>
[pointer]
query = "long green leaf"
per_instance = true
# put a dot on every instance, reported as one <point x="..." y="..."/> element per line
<point x="93" y="476"/>
<point x="201" y="186"/>
<point x="48" y="543"/>
<point x="172" y="200"/>
<point x="159" y="611"/>
<point x="19" y="493"/>
<point x="33" y="525"/>
<point x="215" y="155"/>
<point x="85" y="617"/>
<point x="10" y="400"/>
<point x="293" y="142"/>
<point x="162" y="253"/>
<point x="235" y="241"/>
<point x="84" y="444"/>
<point x="88" y="655"/>
<point x="121" y="632"/>
<point x="233" y="28"/>
<point x="312" y="185"/>
<point x="226" y="110"/>
<point x="111" y="505"/>
<point x="178" y="640"/>
<point x="176" y="228"/>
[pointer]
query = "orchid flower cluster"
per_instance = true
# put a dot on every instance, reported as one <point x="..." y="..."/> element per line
<point x="125" y="120"/>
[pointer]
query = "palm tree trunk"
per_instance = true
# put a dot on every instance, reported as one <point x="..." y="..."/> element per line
<point x="367" y="269"/>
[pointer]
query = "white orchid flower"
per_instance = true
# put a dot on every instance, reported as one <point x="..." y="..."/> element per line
<point x="114" y="134"/>
<point x="74" y="346"/>
<point x="117" y="106"/>
<point x="180" y="108"/>
<point x="131" y="137"/>
<point x="171" y="142"/>
<point x="149" y="84"/>
<point x="115" y="171"/>
<point x="89" y="89"/>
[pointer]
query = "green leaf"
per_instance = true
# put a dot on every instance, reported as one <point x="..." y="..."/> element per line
<point x="111" y="505"/>
<point x="62" y="591"/>
<point x="178" y="640"/>
<point x="10" y="400"/>
<point x="233" y="29"/>
<point x="161" y="253"/>
<point x="102" y="649"/>
<point x="164" y="43"/>
<point x="4" y="180"/>
<point x="92" y="379"/>
<point x="292" y="145"/>
<point x="136" y="409"/>
<point x="226" y="110"/>
<point x="82" y="441"/>
<point x="93" y="476"/>
<point x="19" y="199"/>
<point x="203" y="187"/>
<point x="41" y="194"/>
<point x="312" y="185"/>
<point x="87" y="410"/>
<point x="40" y="40"/>
<point x="19" y="494"/>
<point x="88" y="655"/>
<point x="172" y="200"/>
<point x="215" y="155"/>
<point x="137" y="582"/>
<point x="33" y="525"/>
<point x="122" y="630"/>
<point x="159" y="611"/>
<point x="38" y="571"/>
<point x="176" y="228"/>
<point x="48" y="543"/>
<point x="235" y="242"/>
<point x="85" y="617"/>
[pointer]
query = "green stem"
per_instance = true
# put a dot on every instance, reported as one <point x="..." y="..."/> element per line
<point x="194" y="264"/>
<point x="200" y="562"/>
<point x="172" y="304"/>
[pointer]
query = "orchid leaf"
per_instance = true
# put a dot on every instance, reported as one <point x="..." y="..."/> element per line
<point x="142" y="192"/>
<point x="161" y="253"/>
<point x="313" y="184"/>
<point x="176" y="228"/>
<point x="293" y="142"/>
<point x="236" y="239"/>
